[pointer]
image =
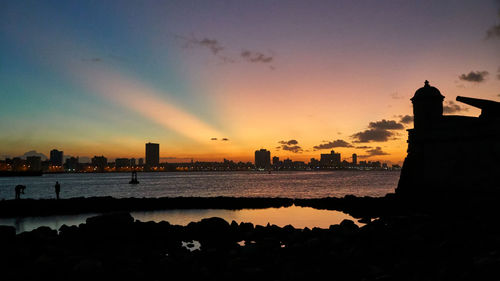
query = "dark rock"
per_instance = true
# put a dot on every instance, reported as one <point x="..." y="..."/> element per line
<point x="7" y="234"/>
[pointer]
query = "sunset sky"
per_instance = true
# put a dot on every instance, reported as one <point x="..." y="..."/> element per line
<point x="219" y="79"/>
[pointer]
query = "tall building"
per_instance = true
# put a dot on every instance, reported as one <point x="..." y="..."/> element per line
<point x="56" y="157"/>
<point x="34" y="163"/>
<point x="276" y="160"/>
<point x="99" y="163"/>
<point x="152" y="154"/>
<point x="73" y="164"/>
<point x="262" y="159"/>
<point x="354" y="159"/>
<point x="330" y="160"/>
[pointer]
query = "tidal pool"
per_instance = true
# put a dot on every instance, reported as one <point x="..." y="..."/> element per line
<point x="298" y="217"/>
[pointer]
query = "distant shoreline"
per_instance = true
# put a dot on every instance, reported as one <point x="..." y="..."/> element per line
<point x="33" y="174"/>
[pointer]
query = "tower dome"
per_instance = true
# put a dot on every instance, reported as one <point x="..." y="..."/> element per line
<point x="427" y="106"/>
<point x="427" y="92"/>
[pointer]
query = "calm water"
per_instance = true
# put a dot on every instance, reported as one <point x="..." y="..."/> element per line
<point x="208" y="184"/>
<point x="299" y="217"/>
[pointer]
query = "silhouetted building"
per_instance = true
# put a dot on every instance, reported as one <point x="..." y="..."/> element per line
<point x="122" y="163"/>
<point x="354" y="159"/>
<point x="132" y="162"/>
<point x="288" y="164"/>
<point x="330" y="160"/>
<point x="314" y="163"/>
<point x="99" y="163"/>
<point x="276" y="161"/>
<point x="152" y="155"/>
<point x="262" y="159"/>
<point x="141" y="161"/>
<point x="72" y="164"/>
<point x="18" y="164"/>
<point x="34" y="163"/>
<point x="56" y="157"/>
<point x="441" y="149"/>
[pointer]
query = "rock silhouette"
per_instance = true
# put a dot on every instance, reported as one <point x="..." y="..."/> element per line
<point x="114" y="246"/>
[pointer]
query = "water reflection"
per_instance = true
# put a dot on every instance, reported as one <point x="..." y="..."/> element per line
<point x="298" y="217"/>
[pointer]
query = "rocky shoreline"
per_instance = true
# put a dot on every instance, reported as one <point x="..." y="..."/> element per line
<point x="360" y="207"/>
<point x="404" y="243"/>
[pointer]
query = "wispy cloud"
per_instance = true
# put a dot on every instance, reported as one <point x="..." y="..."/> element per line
<point x="332" y="144"/>
<point x="494" y="31"/>
<point x="212" y="45"/>
<point x="290" y="145"/>
<point x="451" y="107"/>
<point x="377" y="151"/>
<point x="406" y="119"/>
<point x="223" y="53"/>
<point x="373" y="135"/>
<point x="256" y="57"/>
<point x="474" y="76"/>
<point x="378" y="131"/>
<point x="386" y="125"/>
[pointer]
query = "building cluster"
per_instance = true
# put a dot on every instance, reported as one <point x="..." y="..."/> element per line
<point x="57" y="163"/>
<point x="327" y="161"/>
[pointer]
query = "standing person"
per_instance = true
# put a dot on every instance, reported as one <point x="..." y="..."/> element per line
<point x="58" y="189"/>
<point x="19" y="189"/>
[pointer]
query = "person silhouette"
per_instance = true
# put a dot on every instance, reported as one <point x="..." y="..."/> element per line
<point x="58" y="189"/>
<point x="19" y="189"/>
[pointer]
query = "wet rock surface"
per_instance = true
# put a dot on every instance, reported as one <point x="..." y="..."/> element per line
<point x="398" y="246"/>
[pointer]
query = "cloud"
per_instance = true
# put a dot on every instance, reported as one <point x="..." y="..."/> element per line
<point x="290" y="142"/>
<point x="256" y="57"/>
<point x="332" y="144"/>
<point x="291" y="145"/>
<point x="452" y="107"/>
<point x="474" y="76"/>
<point x="378" y="131"/>
<point x="377" y="135"/>
<point x="212" y="45"/>
<point x="221" y="52"/>
<point x="293" y="148"/>
<point x="34" y="153"/>
<point x="222" y="139"/>
<point x="406" y="119"/>
<point x="493" y="32"/>
<point x="374" y="152"/>
<point x="386" y="125"/>
<point x="363" y="147"/>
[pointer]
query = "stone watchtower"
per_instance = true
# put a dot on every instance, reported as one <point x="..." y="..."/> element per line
<point x="451" y="154"/>
<point x="427" y="107"/>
